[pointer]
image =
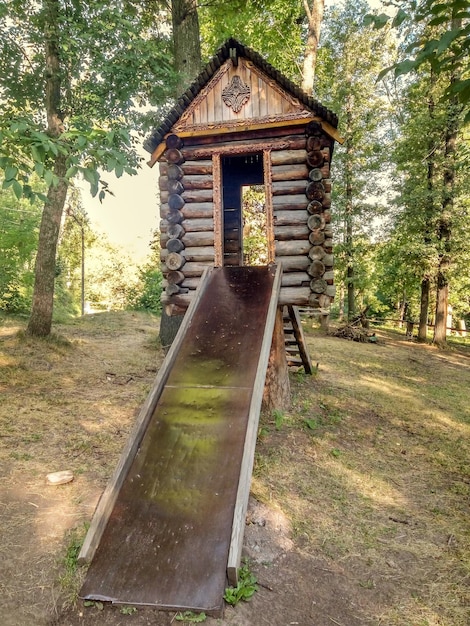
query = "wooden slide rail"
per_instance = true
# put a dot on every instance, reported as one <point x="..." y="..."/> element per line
<point x="243" y="493"/>
<point x="109" y="496"/>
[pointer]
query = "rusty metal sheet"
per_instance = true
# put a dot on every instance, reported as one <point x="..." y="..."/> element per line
<point x="166" y="543"/>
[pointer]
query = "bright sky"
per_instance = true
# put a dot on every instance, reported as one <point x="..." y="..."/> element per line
<point x="130" y="216"/>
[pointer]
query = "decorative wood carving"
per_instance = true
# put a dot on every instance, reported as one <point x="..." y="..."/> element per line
<point x="236" y="94"/>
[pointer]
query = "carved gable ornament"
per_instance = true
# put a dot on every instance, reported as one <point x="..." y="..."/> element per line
<point x="236" y="94"/>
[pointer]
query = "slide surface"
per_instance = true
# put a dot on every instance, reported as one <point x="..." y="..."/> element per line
<point x="167" y="540"/>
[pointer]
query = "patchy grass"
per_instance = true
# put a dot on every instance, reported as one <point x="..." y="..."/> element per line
<point x="374" y="471"/>
<point x="371" y="465"/>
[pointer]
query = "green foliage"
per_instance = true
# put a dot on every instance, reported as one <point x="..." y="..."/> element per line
<point x="102" y="92"/>
<point x="255" y="241"/>
<point x="446" y="47"/>
<point x="19" y="223"/>
<point x="245" y="589"/>
<point x="274" y="28"/>
<point x="190" y="617"/>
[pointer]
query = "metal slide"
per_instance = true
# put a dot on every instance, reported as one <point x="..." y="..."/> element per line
<point x="168" y="536"/>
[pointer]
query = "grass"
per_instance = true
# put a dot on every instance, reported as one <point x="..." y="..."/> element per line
<point x="371" y="464"/>
<point x="374" y="470"/>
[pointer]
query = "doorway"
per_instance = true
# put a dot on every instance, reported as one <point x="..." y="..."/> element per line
<point x="244" y="210"/>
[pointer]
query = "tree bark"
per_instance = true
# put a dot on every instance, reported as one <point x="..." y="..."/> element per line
<point x="40" y="321"/>
<point x="187" y="48"/>
<point x="314" y="19"/>
<point x="424" y="308"/>
<point x="444" y="233"/>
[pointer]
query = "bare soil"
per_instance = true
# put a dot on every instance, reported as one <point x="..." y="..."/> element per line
<point x="359" y="513"/>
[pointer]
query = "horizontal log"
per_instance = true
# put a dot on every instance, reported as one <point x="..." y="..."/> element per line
<point x="175" y="277"/>
<point x="314" y="206"/>
<point x="191" y="282"/>
<point x="283" y="233"/>
<point x="163" y="183"/>
<point x="174" y="245"/>
<point x="194" y="239"/>
<point x="173" y="155"/>
<point x="316" y="269"/>
<point x="294" y="263"/>
<point x="194" y="210"/>
<point x="197" y="182"/>
<point x="328" y="244"/>
<point x="289" y="187"/>
<point x="197" y="195"/>
<point x="174" y="260"/>
<point x="198" y="225"/>
<point x="315" y="174"/>
<point x="314" y="143"/>
<point x="173" y="141"/>
<point x="286" y="157"/>
<point x="175" y="201"/>
<point x="247" y="146"/>
<point x="174" y="231"/>
<point x="297" y="296"/>
<point x="174" y="172"/>
<point x="315" y="158"/>
<point x="292" y="248"/>
<point x="295" y="171"/>
<point x="328" y="260"/>
<point x="196" y="268"/>
<point x="315" y="221"/>
<point x="174" y="186"/>
<point x="294" y="202"/>
<point x="329" y="276"/>
<point x="316" y="237"/>
<point x="316" y="253"/>
<point x="318" y="285"/>
<point x="290" y="218"/>
<point x="199" y="253"/>
<point x="199" y="167"/>
<point x="326" y="201"/>
<point x="295" y="279"/>
<point x="179" y="301"/>
<point x="174" y="217"/>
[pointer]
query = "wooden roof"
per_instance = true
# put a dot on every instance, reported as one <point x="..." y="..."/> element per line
<point x="292" y="100"/>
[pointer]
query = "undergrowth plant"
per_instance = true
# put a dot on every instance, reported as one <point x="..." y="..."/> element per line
<point x="245" y="589"/>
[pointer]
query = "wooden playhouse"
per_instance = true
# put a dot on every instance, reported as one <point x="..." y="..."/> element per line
<point x="243" y="123"/>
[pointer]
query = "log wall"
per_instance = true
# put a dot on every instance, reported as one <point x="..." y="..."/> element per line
<point x="300" y="201"/>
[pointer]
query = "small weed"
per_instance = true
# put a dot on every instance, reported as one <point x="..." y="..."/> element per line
<point x="190" y="617"/>
<point x="311" y="424"/>
<point x="98" y="605"/>
<point x="128" y="610"/>
<point x="244" y="590"/>
<point x="69" y="578"/>
<point x="21" y="456"/>
<point x="279" y="418"/>
<point x="336" y="453"/>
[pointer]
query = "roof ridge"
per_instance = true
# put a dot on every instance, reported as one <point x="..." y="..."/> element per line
<point x="220" y="57"/>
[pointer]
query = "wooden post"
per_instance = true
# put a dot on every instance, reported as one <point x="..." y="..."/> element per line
<point x="277" y="386"/>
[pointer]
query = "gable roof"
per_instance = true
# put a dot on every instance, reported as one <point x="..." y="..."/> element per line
<point x="230" y="49"/>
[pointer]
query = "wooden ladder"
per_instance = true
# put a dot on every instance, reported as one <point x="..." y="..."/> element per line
<point x="296" y="347"/>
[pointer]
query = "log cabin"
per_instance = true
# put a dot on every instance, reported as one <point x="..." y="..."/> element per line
<point x="242" y="125"/>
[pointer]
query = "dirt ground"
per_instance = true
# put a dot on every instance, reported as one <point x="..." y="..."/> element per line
<point x="360" y="495"/>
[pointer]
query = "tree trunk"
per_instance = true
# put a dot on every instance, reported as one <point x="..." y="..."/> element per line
<point x="444" y="232"/>
<point x="43" y="297"/>
<point x="424" y="308"/>
<point x="314" y="18"/>
<point x="187" y="51"/>
<point x="40" y="321"/>
<point x="186" y="42"/>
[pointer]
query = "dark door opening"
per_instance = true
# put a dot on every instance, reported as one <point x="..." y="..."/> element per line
<point x="240" y="173"/>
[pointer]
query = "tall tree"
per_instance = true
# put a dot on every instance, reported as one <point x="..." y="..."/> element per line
<point x="346" y="83"/>
<point x="72" y="76"/>
<point x="314" y="14"/>
<point x="186" y="41"/>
